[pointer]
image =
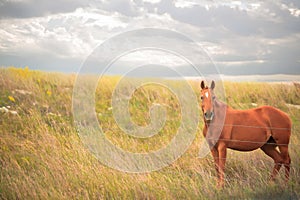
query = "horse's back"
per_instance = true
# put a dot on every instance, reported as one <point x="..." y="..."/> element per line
<point x="273" y="116"/>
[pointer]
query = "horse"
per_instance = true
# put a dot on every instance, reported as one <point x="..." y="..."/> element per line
<point x="264" y="127"/>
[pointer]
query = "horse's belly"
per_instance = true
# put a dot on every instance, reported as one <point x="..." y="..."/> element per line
<point x="242" y="147"/>
<point x="245" y="138"/>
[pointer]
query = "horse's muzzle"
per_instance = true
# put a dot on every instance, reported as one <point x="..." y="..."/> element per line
<point x="209" y="115"/>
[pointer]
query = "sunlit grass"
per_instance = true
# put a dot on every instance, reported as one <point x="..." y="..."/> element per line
<point x="42" y="157"/>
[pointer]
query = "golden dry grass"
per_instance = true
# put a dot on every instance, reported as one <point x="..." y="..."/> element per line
<point x="42" y="157"/>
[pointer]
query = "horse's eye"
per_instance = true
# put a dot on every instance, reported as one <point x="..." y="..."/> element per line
<point x="201" y="97"/>
<point x="214" y="97"/>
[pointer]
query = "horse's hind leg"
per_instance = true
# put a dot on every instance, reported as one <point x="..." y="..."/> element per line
<point x="270" y="150"/>
<point x="286" y="159"/>
<point x="282" y="138"/>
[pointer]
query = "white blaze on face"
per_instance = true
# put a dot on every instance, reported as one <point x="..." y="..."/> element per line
<point x="206" y="94"/>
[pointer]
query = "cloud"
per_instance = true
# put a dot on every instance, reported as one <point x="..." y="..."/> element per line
<point x="126" y="8"/>
<point x="68" y="34"/>
<point x="256" y="38"/>
<point x="152" y="1"/>
<point x="66" y="38"/>
<point x="263" y="18"/>
<point x="241" y="37"/>
<point x="37" y="8"/>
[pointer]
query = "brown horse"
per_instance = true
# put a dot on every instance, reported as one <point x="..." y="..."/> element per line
<point x="244" y="130"/>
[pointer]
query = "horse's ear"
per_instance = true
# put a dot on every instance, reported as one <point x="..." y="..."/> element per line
<point x="212" y="86"/>
<point x="202" y="85"/>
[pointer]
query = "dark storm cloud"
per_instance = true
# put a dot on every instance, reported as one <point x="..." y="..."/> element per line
<point x="267" y="34"/>
<point x="37" y="8"/>
<point x="295" y="3"/>
<point x="237" y="20"/>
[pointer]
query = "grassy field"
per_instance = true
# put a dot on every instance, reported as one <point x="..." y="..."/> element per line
<point x="42" y="156"/>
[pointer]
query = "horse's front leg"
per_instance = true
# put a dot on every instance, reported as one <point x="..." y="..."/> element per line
<point x="222" y="150"/>
<point x="215" y="155"/>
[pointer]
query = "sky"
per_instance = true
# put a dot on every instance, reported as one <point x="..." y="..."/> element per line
<point x="240" y="37"/>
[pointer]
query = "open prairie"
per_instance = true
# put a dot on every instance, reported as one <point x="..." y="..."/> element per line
<point x="42" y="156"/>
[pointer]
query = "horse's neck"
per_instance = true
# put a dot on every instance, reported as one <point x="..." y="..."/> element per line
<point x="221" y="106"/>
<point x="220" y="111"/>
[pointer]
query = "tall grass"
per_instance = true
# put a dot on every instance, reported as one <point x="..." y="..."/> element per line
<point x="42" y="157"/>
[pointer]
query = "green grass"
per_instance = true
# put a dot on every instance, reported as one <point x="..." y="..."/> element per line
<point x="42" y="157"/>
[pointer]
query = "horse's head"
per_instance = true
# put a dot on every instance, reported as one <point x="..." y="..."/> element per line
<point x="207" y="101"/>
